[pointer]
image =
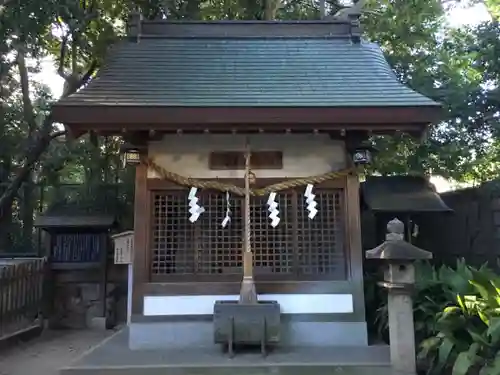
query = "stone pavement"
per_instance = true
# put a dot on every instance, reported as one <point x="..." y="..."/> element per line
<point x="46" y="354"/>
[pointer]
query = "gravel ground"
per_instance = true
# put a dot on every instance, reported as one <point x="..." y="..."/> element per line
<point x="46" y="354"/>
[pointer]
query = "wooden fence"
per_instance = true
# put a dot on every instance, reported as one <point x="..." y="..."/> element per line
<point x="21" y="295"/>
<point x="472" y="231"/>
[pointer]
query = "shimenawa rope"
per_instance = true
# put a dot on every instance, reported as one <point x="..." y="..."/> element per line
<point x="224" y="187"/>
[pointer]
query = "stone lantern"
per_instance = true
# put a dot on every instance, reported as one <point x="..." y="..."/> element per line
<point x="399" y="280"/>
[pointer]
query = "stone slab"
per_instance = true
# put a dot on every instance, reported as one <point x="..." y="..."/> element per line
<point x="113" y="357"/>
<point x="256" y="370"/>
<point x="185" y="335"/>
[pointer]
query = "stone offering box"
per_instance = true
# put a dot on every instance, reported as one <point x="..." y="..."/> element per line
<point x="237" y="324"/>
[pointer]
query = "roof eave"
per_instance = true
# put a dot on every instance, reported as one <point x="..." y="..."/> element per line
<point x="82" y="118"/>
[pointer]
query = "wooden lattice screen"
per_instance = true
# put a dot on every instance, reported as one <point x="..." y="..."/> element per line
<point x="297" y="247"/>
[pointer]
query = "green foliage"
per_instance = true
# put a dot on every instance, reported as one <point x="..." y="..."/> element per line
<point x="434" y="289"/>
<point x="451" y="69"/>
<point x="457" y="319"/>
<point x="458" y="67"/>
<point x="467" y="332"/>
<point x="78" y="32"/>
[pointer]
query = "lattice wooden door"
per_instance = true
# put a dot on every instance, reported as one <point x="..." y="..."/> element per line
<point x="297" y="248"/>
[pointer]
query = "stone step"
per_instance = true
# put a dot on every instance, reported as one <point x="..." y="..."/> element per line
<point x="232" y="370"/>
<point x="114" y="357"/>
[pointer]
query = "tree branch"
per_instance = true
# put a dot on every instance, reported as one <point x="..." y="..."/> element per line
<point x="29" y="113"/>
<point x="62" y="54"/>
<point x="40" y="141"/>
<point x="40" y="138"/>
<point x="74" y="53"/>
<point x="73" y="82"/>
<point x="39" y="144"/>
<point x="90" y="72"/>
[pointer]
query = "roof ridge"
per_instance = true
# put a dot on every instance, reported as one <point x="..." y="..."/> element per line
<point x="241" y="37"/>
<point x="247" y="22"/>
<point x="334" y="28"/>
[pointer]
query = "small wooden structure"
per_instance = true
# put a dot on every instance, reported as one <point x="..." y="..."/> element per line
<point x="21" y="295"/>
<point x="184" y="93"/>
<point x="412" y="199"/>
<point x="77" y="250"/>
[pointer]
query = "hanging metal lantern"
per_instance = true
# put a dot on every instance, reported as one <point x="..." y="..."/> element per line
<point x="363" y="154"/>
<point x="130" y="155"/>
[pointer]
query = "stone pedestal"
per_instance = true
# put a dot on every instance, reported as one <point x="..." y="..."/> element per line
<point x="399" y="280"/>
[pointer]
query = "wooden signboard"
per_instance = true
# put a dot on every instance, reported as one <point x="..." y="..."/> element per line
<point x="124" y="245"/>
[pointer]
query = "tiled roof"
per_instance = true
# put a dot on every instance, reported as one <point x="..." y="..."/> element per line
<point x="246" y="72"/>
<point x="71" y="221"/>
<point x="407" y="194"/>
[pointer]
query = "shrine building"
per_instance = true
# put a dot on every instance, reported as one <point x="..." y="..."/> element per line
<point x="193" y="100"/>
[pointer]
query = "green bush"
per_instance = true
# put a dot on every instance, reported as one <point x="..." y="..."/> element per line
<point x="465" y="337"/>
<point x="457" y="319"/>
<point x="435" y="289"/>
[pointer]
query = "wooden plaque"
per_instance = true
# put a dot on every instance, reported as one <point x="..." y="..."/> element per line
<point x="235" y="160"/>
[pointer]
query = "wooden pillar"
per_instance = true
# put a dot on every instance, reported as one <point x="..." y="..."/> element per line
<point x="354" y="246"/>
<point x="141" y="251"/>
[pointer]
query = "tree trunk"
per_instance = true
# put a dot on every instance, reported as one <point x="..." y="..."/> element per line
<point x="38" y="146"/>
<point x="322" y="9"/>
<point x="94" y="181"/>
<point x="193" y="10"/>
<point x="6" y="212"/>
<point x="40" y="136"/>
<point x="270" y="10"/>
<point x="27" y="212"/>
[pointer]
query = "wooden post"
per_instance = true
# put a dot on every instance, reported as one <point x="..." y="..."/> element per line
<point x="248" y="294"/>
<point x="141" y="263"/>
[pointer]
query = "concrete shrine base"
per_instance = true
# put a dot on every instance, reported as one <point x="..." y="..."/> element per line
<point x="113" y="357"/>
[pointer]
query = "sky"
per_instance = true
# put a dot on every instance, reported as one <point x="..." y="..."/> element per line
<point x="459" y="16"/>
<point x="468" y="15"/>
